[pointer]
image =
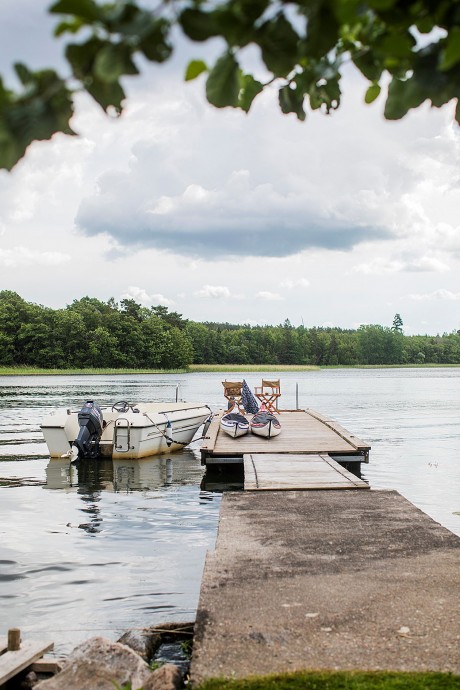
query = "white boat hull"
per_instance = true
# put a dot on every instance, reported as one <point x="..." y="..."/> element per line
<point x="154" y="429"/>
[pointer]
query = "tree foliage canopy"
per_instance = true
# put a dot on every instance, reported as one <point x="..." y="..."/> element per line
<point x="303" y="45"/>
<point x="91" y="333"/>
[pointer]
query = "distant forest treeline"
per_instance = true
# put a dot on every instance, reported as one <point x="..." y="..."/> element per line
<point x="91" y="333"/>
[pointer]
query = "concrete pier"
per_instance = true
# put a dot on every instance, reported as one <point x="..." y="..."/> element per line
<point x="334" y="580"/>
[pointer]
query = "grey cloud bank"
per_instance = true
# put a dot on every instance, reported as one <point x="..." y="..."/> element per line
<point x="225" y="233"/>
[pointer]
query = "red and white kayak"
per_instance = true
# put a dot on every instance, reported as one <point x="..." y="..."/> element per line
<point x="265" y="424"/>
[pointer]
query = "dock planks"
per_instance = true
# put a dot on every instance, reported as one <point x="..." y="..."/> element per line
<point x="11" y="663"/>
<point x="303" y="431"/>
<point x="284" y="471"/>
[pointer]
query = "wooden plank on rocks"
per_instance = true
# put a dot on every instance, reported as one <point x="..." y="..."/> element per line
<point x="12" y="663"/>
<point x="46" y="665"/>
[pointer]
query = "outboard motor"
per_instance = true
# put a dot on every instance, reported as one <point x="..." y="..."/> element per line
<point x="91" y="427"/>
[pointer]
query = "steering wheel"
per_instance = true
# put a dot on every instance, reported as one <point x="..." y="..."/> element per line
<point x="121" y="406"/>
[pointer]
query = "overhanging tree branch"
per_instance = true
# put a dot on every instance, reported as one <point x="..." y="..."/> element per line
<point x="303" y="45"/>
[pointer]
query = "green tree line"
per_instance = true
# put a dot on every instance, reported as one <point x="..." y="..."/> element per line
<point x="92" y="333"/>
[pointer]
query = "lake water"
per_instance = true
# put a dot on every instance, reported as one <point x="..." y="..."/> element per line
<point x="105" y="547"/>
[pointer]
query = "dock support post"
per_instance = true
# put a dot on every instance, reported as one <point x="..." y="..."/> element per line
<point x="14" y="639"/>
<point x="296" y="396"/>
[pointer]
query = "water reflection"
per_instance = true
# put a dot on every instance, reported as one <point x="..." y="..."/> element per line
<point x="119" y="475"/>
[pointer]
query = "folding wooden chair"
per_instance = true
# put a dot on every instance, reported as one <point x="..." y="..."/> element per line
<point x="268" y="394"/>
<point x="232" y="391"/>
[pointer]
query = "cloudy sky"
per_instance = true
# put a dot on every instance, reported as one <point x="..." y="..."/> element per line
<point x="222" y="216"/>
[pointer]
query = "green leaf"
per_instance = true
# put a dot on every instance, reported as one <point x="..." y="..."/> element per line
<point x="70" y="27"/>
<point x="86" y="9"/>
<point x="113" y="61"/>
<point x="325" y="95"/>
<point x="249" y="89"/>
<point x="322" y="33"/>
<point x="10" y="150"/>
<point x="279" y="45"/>
<point x="223" y="84"/>
<point x="372" y="93"/>
<point x="451" y="53"/>
<point x="402" y="96"/>
<point x="107" y="94"/>
<point x="248" y="11"/>
<point x="83" y="58"/>
<point x="199" y="26"/>
<point x="291" y="101"/>
<point x="425" y="24"/>
<point x="23" y="73"/>
<point x="368" y="66"/>
<point x="194" y="69"/>
<point x="396" y="44"/>
<point x="5" y="95"/>
<point x="155" y="44"/>
<point x="45" y="107"/>
<point x="381" y="4"/>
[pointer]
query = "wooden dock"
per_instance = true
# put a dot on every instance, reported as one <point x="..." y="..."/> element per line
<point x="17" y="655"/>
<point x="307" y="454"/>
<point x="286" y="471"/>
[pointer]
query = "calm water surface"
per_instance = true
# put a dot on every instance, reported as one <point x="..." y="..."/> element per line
<point x="115" y="545"/>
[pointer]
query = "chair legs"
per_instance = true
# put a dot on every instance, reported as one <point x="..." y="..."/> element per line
<point x="269" y="401"/>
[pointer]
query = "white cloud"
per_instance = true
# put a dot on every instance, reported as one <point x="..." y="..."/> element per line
<point x="22" y="256"/>
<point x="381" y="265"/>
<point x="291" y="284"/>
<point x="142" y="297"/>
<point x="269" y="296"/>
<point x="214" y="292"/>
<point x="440" y="294"/>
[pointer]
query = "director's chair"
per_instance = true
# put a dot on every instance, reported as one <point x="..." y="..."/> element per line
<point x="268" y="394"/>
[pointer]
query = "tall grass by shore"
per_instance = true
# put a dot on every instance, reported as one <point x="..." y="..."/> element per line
<point x="36" y="371"/>
<point x="197" y="368"/>
<point x="206" y="368"/>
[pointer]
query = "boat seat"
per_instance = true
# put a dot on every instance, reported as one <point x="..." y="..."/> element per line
<point x="268" y="394"/>
<point x="232" y="392"/>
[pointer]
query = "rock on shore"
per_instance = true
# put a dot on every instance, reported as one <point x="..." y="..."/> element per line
<point x="100" y="664"/>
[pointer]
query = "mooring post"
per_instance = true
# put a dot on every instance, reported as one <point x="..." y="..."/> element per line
<point x="14" y="639"/>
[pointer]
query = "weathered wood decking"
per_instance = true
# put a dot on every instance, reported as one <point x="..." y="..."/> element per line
<point x="299" y="458"/>
<point x="303" y="431"/>
<point x="13" y="662"/>
<point x="286" y="471"/>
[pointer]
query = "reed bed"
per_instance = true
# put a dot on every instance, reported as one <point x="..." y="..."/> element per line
<point x="36" y="371"/>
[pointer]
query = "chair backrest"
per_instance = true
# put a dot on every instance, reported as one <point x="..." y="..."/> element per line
<point x="232" y="388"/>
<point x="274" y="385"/>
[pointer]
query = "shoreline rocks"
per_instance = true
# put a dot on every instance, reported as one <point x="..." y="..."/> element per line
<point x="102" y="665"/>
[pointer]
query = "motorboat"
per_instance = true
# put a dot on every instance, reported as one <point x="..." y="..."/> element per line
<point x="265" y="424"/>
<point x="122" y="430"/>
<point x="234" y="424"/>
